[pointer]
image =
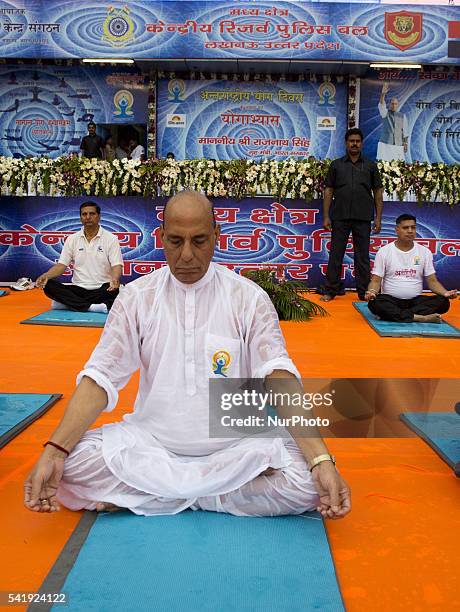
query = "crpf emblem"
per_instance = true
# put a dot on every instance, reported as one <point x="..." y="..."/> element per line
<point x="403" y="29"/>
<point x="118" y="27"/>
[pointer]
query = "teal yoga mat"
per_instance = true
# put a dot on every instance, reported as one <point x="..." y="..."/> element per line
<point x="406" y="330"/>
<point x="18" y="410"/>
<point x="197" y="562"/>
<point x="69" y="318"/>
<point x="441" y="430"/>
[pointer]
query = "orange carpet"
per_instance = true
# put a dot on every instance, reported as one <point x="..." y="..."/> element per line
<point x="397" y="550"/>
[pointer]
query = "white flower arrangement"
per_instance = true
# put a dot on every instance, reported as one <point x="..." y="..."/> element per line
<point x="291" y="178"/>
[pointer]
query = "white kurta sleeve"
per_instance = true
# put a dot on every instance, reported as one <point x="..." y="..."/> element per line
<point x="383" y="110"/>
<point x="117" y="355"/>
<point x="267" y="349"/>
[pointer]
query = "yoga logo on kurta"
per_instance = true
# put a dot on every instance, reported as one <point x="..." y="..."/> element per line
<point x="220" y="362"/>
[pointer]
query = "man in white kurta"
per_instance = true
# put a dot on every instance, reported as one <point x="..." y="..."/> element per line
<point x="394" y="130"/>
<point x="161" y="459"/>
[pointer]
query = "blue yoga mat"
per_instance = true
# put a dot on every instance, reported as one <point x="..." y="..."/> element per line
<point x="201" y="561"/>
<point x="441" y="430"/>
<point x="18" y="410"/>
<point x="3" y="292"/>
<point x="406" y="330"/>
<point x="70" y="318"/>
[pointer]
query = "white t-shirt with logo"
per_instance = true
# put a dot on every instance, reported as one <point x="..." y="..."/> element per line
<point x="403" y="271"/>
<point x="92" y="261"/>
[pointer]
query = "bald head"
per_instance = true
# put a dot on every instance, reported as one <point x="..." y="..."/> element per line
<point x="189" y="235"/>
<point x="188" y="205"/>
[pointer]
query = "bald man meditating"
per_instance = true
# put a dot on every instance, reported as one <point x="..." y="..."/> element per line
<point x="161" y="459"/>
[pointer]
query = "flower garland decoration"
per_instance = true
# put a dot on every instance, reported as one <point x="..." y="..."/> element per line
<point x="292" y="178"/>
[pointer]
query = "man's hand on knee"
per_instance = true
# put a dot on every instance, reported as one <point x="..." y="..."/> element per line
<point x="41" y="281"/>
<point x="41" y="486"/>
<point x="333" y="491"/>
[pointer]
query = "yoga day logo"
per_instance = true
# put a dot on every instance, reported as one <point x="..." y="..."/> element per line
<point x="176" y="90"/>
<point x="326" y="93"/>
<point x="123" y="101"/>
<point x="220" y="362"/>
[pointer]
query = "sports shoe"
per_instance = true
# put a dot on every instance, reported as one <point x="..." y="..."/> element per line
<point x="23" y="284"/>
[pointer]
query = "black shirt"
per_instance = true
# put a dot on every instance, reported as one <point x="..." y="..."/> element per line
<point x="91" y="146"/>
<point x="353" y="184"/>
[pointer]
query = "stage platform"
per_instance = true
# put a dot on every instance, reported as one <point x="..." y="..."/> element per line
<point x="397" y="549"/>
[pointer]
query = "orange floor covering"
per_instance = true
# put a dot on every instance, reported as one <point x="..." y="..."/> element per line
<point x="397" y="550"/>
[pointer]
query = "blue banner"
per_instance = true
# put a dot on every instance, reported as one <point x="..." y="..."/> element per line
<point x="45" y="109"/>
<point x="283" y="30"/>
<point x="231" y="120"/>
<point x="256" y="233"/>
<point x="417" y="115"/>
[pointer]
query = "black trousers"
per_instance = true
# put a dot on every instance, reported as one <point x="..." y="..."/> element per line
<point x="361" y="232"/>
<point x="389" y="308"/>
<point x="78" y="298"/>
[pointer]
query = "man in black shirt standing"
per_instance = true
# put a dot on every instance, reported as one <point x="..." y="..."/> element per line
<point x="92" y="145"/>
<point x="354" y="189"/>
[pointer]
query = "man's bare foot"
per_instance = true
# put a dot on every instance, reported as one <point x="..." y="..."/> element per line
<point x="106" y="507"/>
<point x="432" y="318"/>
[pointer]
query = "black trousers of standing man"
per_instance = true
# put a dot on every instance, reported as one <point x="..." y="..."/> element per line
<point x="78" y="298"/>
<point x="361" y="232"/>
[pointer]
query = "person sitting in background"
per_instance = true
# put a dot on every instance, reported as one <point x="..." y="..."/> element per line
<point x="398" y="272"/>
<point x="170" y="155"/>
<point x="109" y="149"/>
<point x="97" y="267"/>
<point x="122" y="150"/>
<point x="137" y="150"/>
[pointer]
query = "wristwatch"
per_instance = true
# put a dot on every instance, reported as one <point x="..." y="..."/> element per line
<point x="319" y="459"/>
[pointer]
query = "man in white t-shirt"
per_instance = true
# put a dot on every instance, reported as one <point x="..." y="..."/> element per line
<point x="97" y="267"/>
<point x="399" y="270"/>
<point x="137" y="150"/>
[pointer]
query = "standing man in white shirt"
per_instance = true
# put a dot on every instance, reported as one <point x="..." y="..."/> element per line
<point x="97" y="267"/>
<point x="184" y="325"/>
<point x="399" y="270"/>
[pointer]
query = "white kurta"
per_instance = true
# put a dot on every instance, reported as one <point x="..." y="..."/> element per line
<point x="171" y="331"/>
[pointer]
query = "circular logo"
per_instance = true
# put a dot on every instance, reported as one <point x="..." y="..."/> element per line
<point x="118" y="26"/>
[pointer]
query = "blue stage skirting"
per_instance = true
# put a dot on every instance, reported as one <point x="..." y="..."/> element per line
<point x="69" y="318"/>
<point x="200" y="561"/>
<point x="406" y="330"/>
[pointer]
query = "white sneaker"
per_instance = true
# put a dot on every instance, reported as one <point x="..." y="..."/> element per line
<point x="58" y="306"/>
<point x="98" y="308"/>
<point x="23" y="284"/>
